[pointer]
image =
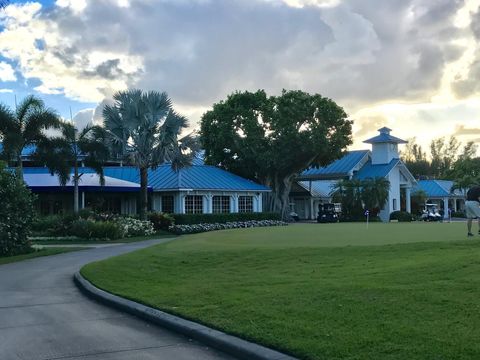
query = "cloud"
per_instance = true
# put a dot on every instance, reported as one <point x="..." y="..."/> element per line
<point x="6" y="91"/>
<point x="373" y="57"/>
<point x="461" y="130"/>
<point x="317" y="45"/>
<point x="369" y="125"/>
<point x="6" y="72"/>
<point x="51" y="51"/>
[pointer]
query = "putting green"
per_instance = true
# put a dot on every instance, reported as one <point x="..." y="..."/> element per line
<point x="318" y="291"/>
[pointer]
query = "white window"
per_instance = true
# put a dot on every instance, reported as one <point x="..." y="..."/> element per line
<point x="193" y="204"/>
<point x="394" y="204"/>
<point x="245" y="204"/>
<point x="221" y="204"/>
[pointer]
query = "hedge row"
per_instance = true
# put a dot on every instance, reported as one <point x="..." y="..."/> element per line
<point x="190" y="219"/>
<point x="401" y="216"/>
<point x="198" y="228"/>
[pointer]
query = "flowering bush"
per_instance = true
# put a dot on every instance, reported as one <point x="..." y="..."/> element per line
<point x="135" y="227"/>
<point x="197" y="228"/>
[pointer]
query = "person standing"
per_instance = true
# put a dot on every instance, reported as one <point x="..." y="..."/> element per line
<point x="472" y="208"/>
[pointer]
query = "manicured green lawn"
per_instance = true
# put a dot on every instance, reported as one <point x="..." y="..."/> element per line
<point x="333" y="291"/>
<point x="37" y="253"/>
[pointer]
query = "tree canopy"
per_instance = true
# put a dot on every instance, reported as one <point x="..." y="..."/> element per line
<point x="145" y="131"/>
<point x="271" y="139"/>
<point x="24" y="126"/>
<point x="62" y="152"/>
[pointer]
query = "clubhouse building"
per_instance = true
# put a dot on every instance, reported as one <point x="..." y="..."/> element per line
<point x="203" y="188"/>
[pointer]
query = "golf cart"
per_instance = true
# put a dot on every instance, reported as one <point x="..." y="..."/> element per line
<point x="293" y="215"/>
<point x="431" y="213"/>
<point x="327" y="213"/>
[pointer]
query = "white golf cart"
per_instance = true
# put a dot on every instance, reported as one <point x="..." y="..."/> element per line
<point x="431" y="213"/>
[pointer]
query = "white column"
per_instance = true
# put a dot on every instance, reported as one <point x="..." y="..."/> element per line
<point x="82" y="200"/>
<point x="182" y="204"/>
<point x="235" y="203"/>
<point x="455" y="205"/>
<point x="408" y="200"/>
<point x="209" y="207"/>
<point x="156" y="202"/>
<point x="305" y="203"/>
<point x="445" y="208"/>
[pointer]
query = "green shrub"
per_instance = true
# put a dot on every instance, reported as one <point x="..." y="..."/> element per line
<point x="89" y="229"/>
<point x="16" y="214"/>
<point x="86" y="213"/>
<point x="190" y="219"/>
<point x="401" y="216"/>
<point x="46" y="225"/>
<point x="53" y="225"/>
<point x="161" y="221"/>
<point x="458" y="214"/>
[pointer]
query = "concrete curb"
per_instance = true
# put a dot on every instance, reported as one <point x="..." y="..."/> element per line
<point x="232" y="345"/>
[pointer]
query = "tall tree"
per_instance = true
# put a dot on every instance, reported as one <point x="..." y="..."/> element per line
<point x="23" y="127"/>
<point x="416" y="159"/>
<point x="469" y="151"/>
<point x="465" y="173"/>
<point x="272" y="139"/>
<point x="145" y="131"/>
<point x="444" y="153"/>
<point x="68" y="150"/>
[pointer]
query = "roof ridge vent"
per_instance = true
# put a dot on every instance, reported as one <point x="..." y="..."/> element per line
<point x="384" y="130"/>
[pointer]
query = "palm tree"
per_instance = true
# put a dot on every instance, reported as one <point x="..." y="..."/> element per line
<point x="71" y="148"/>
<point x="145" y="131"/>
<point x="4" y="3"/>
<point x="375" y="193"/>
<point x="23" y="127"/>
<point x="349" y="193"/>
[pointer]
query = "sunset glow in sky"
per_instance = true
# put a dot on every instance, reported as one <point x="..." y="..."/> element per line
<point x="411" y="65"/>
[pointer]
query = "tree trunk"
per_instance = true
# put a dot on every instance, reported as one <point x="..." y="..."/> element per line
<point x="19" y="166"/>
<point x="143" y="193"/>
<point x="75" y="188"/>
<point x="279" y="198"/>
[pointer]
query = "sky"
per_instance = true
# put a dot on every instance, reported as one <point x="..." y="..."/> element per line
<point x="411" y="65"/>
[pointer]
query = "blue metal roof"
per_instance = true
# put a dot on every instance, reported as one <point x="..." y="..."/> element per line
<point x="196" y="177"/>
<point x="319" y="188"/>
<point x="41" y="181"/>
<point x="437" y="188"/>
<point x="26" y="151"/>
<point x="338" y="168"/>
<point x="375" y="171"/>
<point x="385" y="137"/>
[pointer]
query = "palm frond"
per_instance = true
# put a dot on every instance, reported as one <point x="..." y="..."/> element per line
<point x="26" y="106"/>
<point x="38" y="121"/>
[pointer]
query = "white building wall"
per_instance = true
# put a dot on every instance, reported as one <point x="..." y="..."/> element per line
<point x="393" y="195"/>
<point x="383" y="153"/>
<point x="179" y="200"/>
<point x="156" y="202"/>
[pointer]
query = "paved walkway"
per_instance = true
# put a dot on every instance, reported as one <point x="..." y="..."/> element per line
<point x="44" y="316"/>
